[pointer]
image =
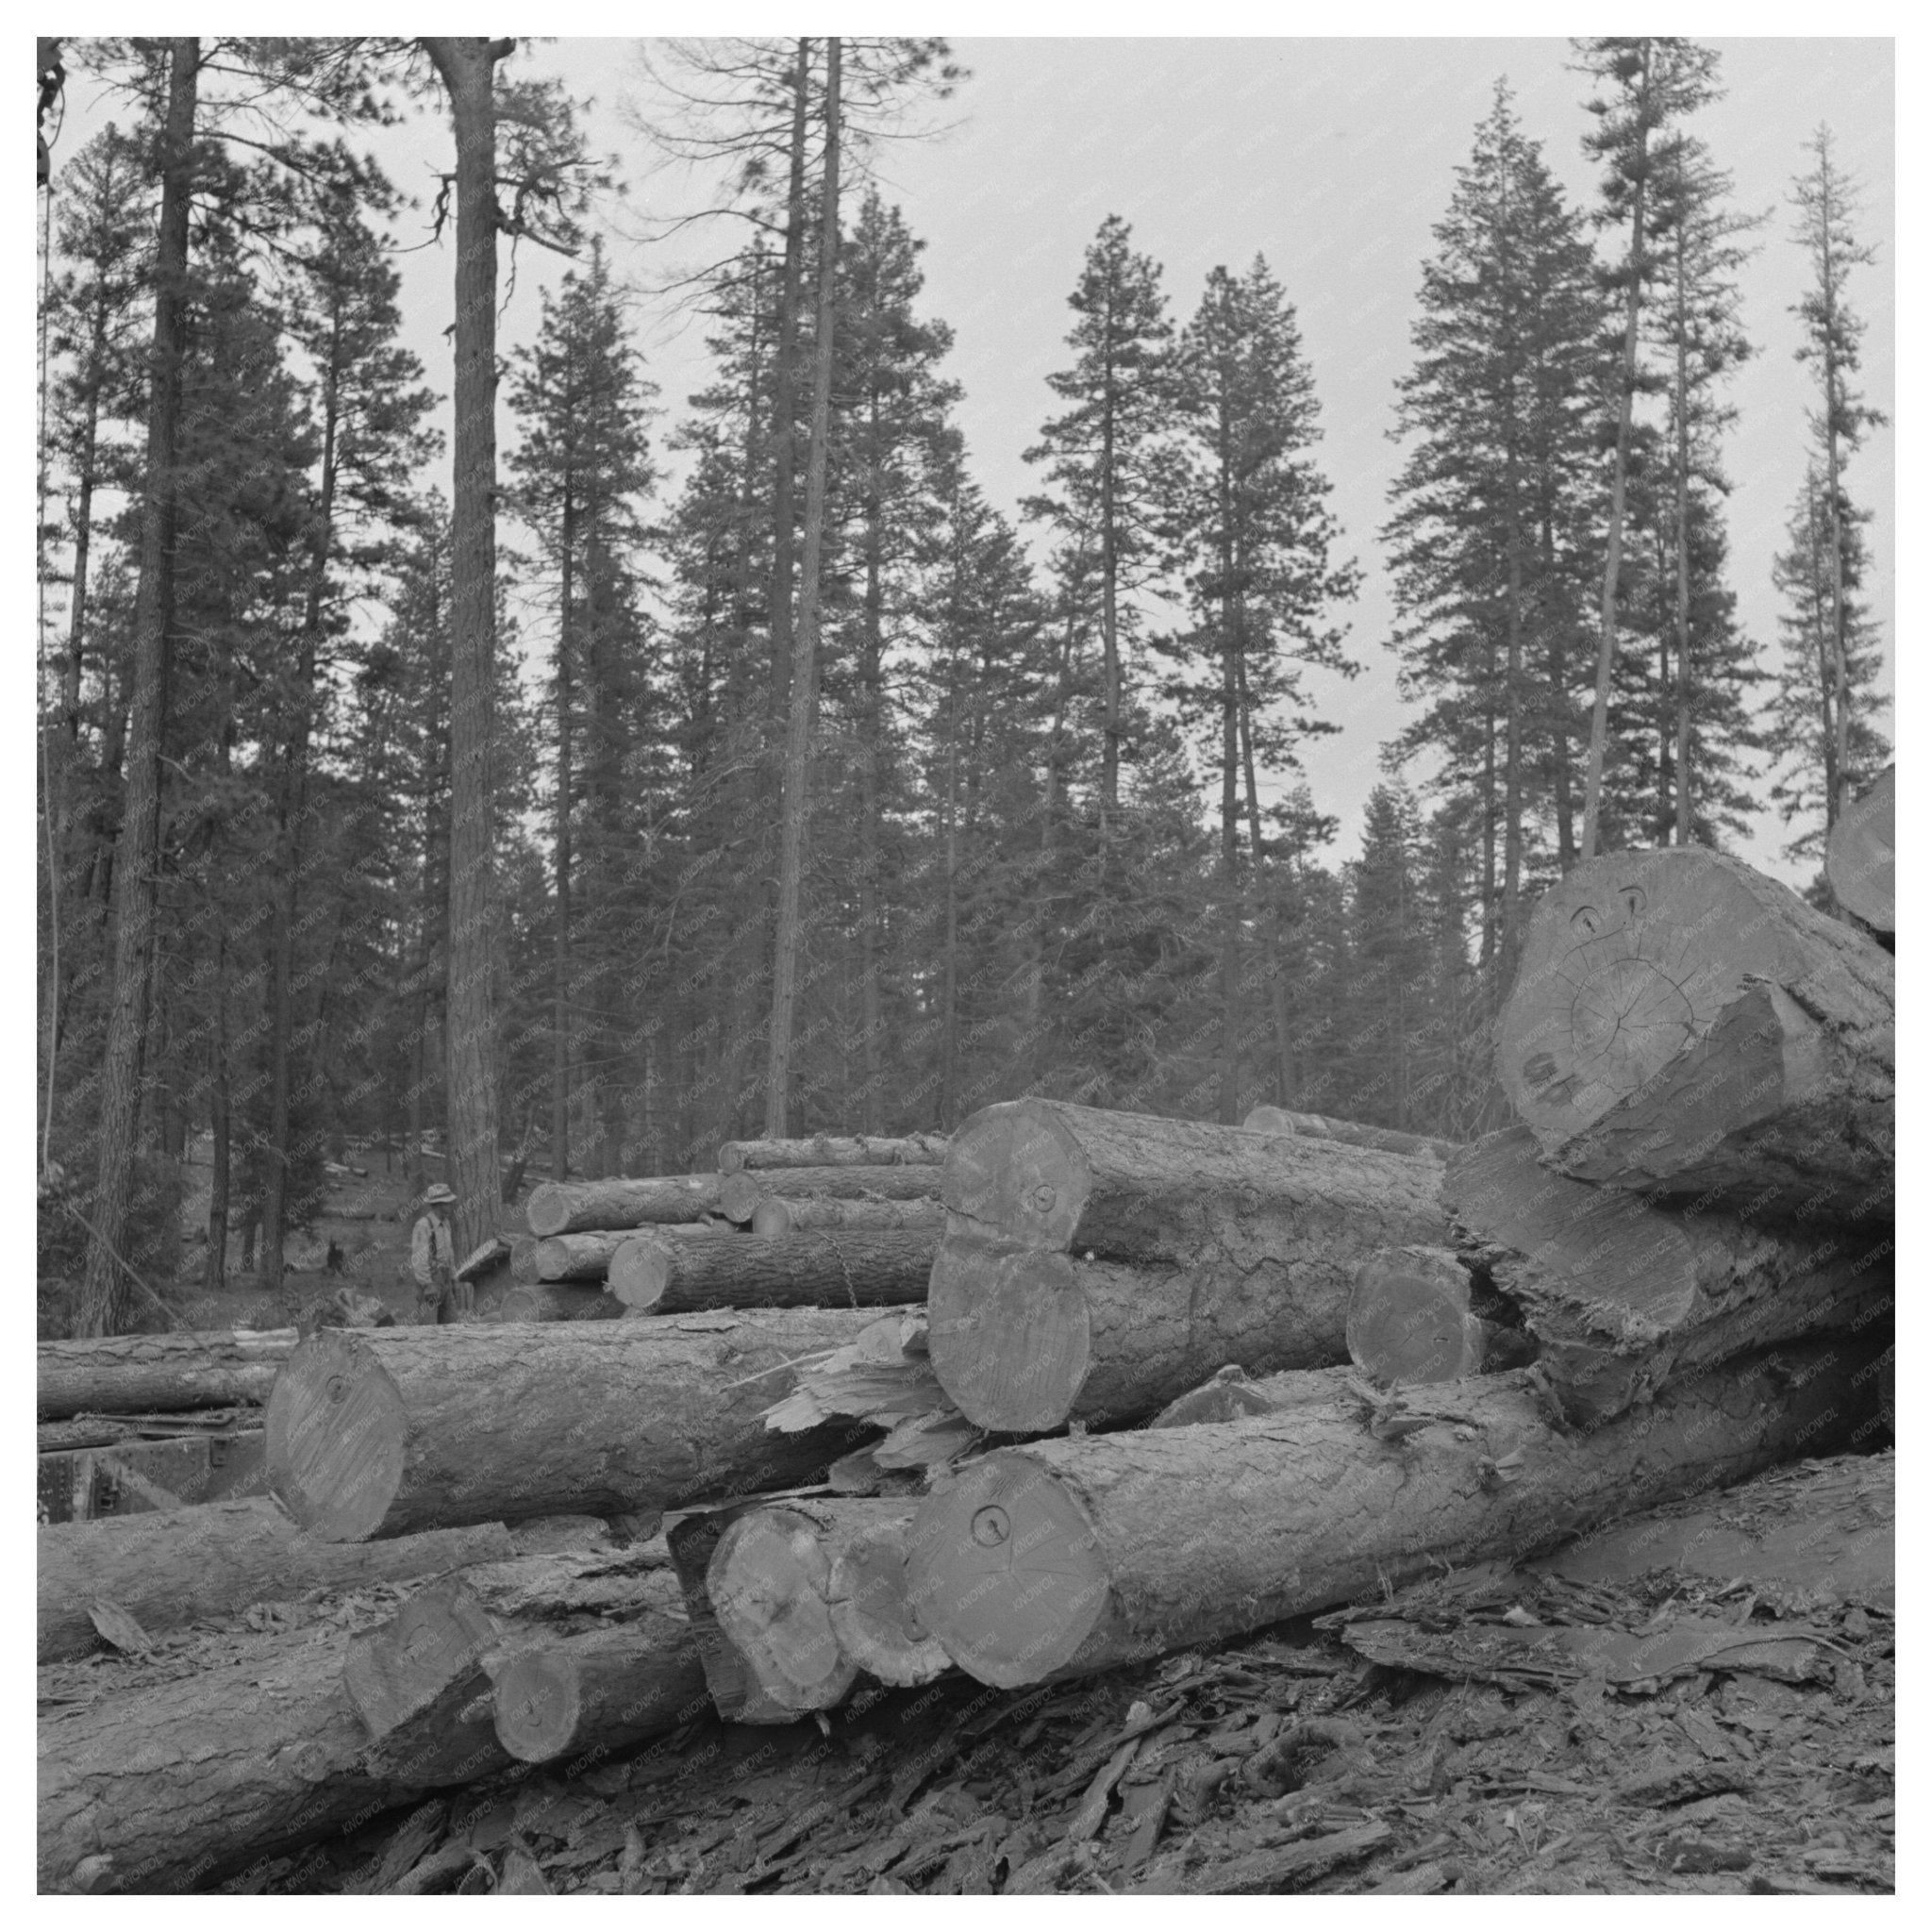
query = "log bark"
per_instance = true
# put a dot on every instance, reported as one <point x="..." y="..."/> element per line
<point x="384" y="1431"/>
<point x="1621" y="1296"/>
<point x="1414" y="1316"/>
<point x="170" y="1567"/>
<point x="1681" y="1023"/>
<point x="602" y="1690"/>
<point x="779" y="1214"/>
<point x="834" y="1150"/>
<point x="738" y="1194"/>
<point x="1198" y="1246"/>
<point x="580" y="1206"/>
<point x="130" y="1374"/>
<point x="579" y="1257"/>
<point x="1858" y="856"/>
<point x="523" y="1250"/>
<point x="170" y="1786"/>
<point x="1064" y="1558"/>
<point x="1230" y="1395"/>
<point x="866" y="1269"/>
<point x="1317" y="1126"/>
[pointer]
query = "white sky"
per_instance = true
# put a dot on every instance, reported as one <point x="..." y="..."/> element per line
<point x="1332" y="158"/>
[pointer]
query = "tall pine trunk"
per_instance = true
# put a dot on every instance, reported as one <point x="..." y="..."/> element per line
<point x="871" y="703"/>
<point x="1232" y="669"/>
<point x="559" y="984"/>
<point x="779" y="1070"/>
<point x="1838" y="746"/>
<point x="104" y="1298"/>
<point x="467" y="67"/>
<point x="1274" y="962"/>
<point x="215" y="1270"/>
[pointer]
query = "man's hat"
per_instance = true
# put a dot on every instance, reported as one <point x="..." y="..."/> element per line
<point x="438" y="1195"/>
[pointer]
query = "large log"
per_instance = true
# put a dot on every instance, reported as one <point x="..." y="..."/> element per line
<point x="379" y="1432"/>
<point x="869" y="1268"/>
<point x="1681" y="1023"/>
<point x="601" y="1690"/>
<point x="834" y="1150"/>
<point x="1318" y="1127"/>
<point x="1620" y="1295"/>
<point x="739" y="1193"/>
<point x="779" y="1214"/>
<point x="589" y="1257"/>
<point x="170" y="1567"/>
<point x="577" y="1207"/>
<point x="1064" y="1558"/>
<point x="1417" y="1315"/>
<point x="137" y="1373"/>
<point x="1198" y="1246"/>
<point x="169" y="1786"/>
<point x="1858" y="855"/>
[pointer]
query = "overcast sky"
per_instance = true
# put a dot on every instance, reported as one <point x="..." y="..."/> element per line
<point x="1331" y="158"/>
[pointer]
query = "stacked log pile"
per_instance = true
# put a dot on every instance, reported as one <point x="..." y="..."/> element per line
<point x="1070" y="1390"/>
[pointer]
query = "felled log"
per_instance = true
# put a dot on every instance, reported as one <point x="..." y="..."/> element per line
<point x="1858" y="855"/>
<point x="869" y="1268"/>
<point x="601" y="1690"/>
<point x="1064" y="1558"/>
<point x="1620" y="1295"/>
<point x="692" y="1539"/>
<point x="579" y="1257"/>
<point x="1318" y="1127"/>
<point x="1231" y="1395"/>
<point x="576" y="1206"/>
<point x="392" y="1430"/>
<point x="127" y="1374"/>
<point x="779" y="1214"/>
<point x="450" y="1642"/>
<point x="872" y="1615"/>
<point x="1413" y="1317"/>
<point x="1681" y="1023"/>
<point x="523" y="1250"/>
<point x="171" y="1786"/>
<point x="170" y="1567"/>
<point x="1196" y="1246"/>
<point x="834" y="1150"/>
<point x="739" y="1193"/>
<point x="558" y="1300"/>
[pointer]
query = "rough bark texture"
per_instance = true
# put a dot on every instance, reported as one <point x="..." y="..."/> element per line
<point x="1681" y="1023"/>
<point x="834" y="1150"/>
<point x="779" y="1214"/>
<point x="1858" y="855"/>
<point x="172" y="1566"/>
<point x="381" y="1432"/>
<point x="574" y="1207"/>
<point x="1621" y="1295"/>
<point x="1066" y="1558"/>
<point x="1317" y="1126"/>
<point x="1132" y="1187"/>
<point x="1412" y="1317"/>
<point x="558" y="1300"/>
<point x="738" y="1194"/>
<point x="602" y="1690"/>
<point x="1024" y="1341"/>
<point x="168" y="1787"/>
<point x="579" y="1257"/>
<point x="1230" y="1396"/>
<point x="130" y="1374"/>
<point x="869" y="1268"/>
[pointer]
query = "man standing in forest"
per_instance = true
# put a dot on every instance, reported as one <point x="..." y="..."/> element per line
<point x="432" y="1259"/>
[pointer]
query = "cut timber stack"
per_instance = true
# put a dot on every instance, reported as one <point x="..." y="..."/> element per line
<point x="578" y="1206"/>
<point x="834" y="1150"/>
<point x="381" y="1432"/>
<point x="863" y="1268"/>
<point x="1097" y="1265"/>
<point x="1069" y="1557"/>
<point x="125" y="1375"/>
<point x="1859" y="856"/>
<point x="738" y="1194"/>
<point x="1682" y="1024"/>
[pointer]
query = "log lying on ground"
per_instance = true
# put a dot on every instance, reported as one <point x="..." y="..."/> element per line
<point x="779" y="1214"/>
<point x="558" y="1300"/>
<point x="1065" y="1558"/>
<point x="869" y="1268"/>
<point x="170" y="1567"/>
<point x="591" y="1256"/>
<point x="1231" y="1395"/>
<point x="692" y="1539"/>
<point x="451" y="1643"/>
<point x="1681" y="1023"/>
<point x="738" y="1194"/>
<point x="523" y="1250"/>
<point x="1318" y="1127"/>
<point x="872" y="1613"/>
<point x="170" y="1786"/>
<point x="602" y="1690"/>
<point x="381" y="1432"/>
<point x="1858" y="855"/>
<point x="834" y="1150"/>
<point x="1417" y="1315"/>
<point x="574" y="1207"/>
<point x="125" y="1375"/>
<point x="1620" y="1295"/>
<point x="1199" y="1245"/>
